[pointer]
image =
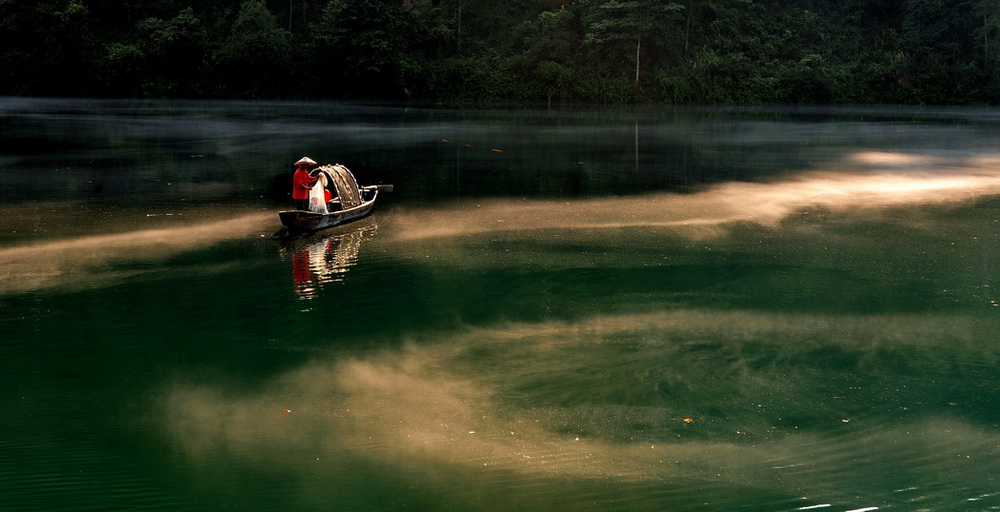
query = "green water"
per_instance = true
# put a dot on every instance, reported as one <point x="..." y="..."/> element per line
<point x="573" y="309"/>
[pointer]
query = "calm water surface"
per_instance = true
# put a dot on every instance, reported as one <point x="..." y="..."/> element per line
<point x="571" y="309"/>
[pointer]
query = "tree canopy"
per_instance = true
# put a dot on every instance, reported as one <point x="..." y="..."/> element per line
<point x="613" y="51"/>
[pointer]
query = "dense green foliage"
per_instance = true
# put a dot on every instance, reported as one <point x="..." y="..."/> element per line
<point x="674" y="51"/>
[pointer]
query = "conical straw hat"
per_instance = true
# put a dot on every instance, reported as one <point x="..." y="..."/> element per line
<point x="306" y="160"/>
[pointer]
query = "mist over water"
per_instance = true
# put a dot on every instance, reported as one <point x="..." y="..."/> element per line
<point x="712" y="210"/>
<point x="629" y="399"/>
<point x="555" y="310"/>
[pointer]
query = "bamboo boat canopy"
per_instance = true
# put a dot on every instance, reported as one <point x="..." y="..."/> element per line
<point x="343" y="180"/>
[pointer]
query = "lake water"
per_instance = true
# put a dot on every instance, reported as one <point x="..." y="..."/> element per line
<point x="587" y="309"/>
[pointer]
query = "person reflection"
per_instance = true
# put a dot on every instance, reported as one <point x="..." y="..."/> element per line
<point x="327" y="260"/>
<point x="301" y="275"/>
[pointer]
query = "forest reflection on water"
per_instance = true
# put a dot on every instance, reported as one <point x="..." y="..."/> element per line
<point x="806" y="321"/>
<point x="707" y="214"/>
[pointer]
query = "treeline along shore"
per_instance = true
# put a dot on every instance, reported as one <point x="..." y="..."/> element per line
<point x="944" y="52"/>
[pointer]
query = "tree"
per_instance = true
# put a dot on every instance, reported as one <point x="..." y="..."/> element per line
<point x="554" y="36"/>
<point x="45" y="45"/>
<point x="859" y="51"/>
<point x="618" y="23"/>
<point x="256" y="57"/>
<point x="174" y="50"/>
<point x="988" y="37"/>
<point x="939" y="39"/>
<point x="362" y="46"/>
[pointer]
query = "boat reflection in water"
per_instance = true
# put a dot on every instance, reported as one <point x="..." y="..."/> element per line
<point x="321" y="260"/>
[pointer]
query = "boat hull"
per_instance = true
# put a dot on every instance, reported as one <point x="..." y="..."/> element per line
<point x="299" y="222"/>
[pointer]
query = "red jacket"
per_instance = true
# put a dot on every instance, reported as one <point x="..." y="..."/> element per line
<point x="301" y="183"/>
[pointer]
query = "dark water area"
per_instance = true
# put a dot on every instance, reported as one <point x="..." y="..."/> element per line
<point x="648" y="308"/>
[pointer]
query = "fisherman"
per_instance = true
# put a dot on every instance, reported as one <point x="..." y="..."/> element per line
<point x="302" y="182"/>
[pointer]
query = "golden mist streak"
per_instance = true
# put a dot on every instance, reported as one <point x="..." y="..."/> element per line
<point x="448" y="403"/>
<point x="73" y="261"/>
<point x="884" y="158"/>
<point x="706" y="213"/>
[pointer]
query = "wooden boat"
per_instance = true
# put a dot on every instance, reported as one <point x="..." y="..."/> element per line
<point x="351" y="203"/>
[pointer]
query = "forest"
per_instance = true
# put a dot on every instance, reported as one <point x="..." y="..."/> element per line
<point x="942" y="52"/>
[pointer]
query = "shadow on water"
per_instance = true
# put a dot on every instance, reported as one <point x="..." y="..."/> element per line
<point x="727" y="390"/>
<point x="816" y="333"/>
